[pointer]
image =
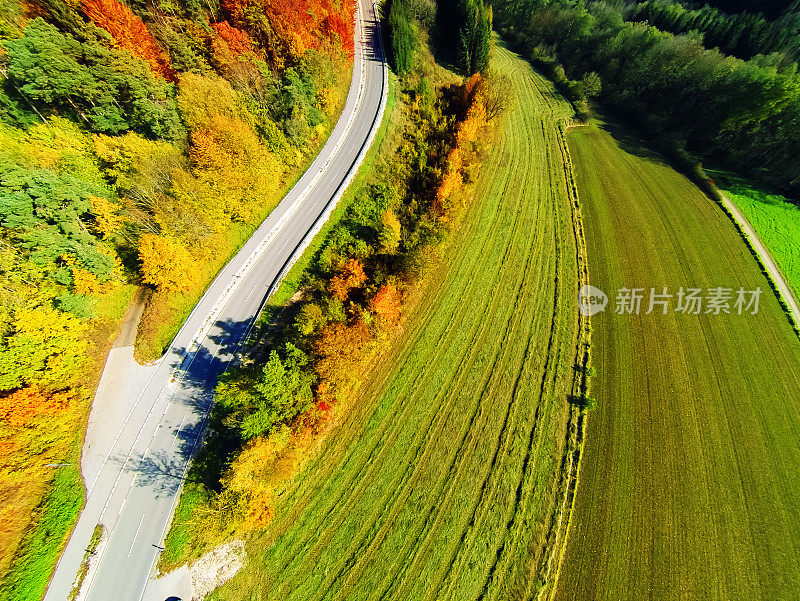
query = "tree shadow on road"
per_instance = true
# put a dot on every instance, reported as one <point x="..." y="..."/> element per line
<point x="205" y="438"/>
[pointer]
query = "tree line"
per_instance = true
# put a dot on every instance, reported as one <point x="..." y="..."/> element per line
<point x="692" y="100"/>
<point x="351" y="299"/>
<point x="743" y="35"/>
<point x="464" y="26"/>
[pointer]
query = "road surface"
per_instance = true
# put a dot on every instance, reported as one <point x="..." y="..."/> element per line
<point x="133" y="490"/>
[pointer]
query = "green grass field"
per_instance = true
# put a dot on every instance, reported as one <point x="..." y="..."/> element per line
<point x="446" y="480"/>
<point x="777" y="223"/>
<point x="690" y="479"/>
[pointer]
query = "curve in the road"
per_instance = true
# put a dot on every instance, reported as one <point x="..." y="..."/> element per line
<point x="134" y="491"/>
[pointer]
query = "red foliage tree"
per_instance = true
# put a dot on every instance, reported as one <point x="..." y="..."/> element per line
<point x="129" y="32"/>
<point x="234" y="53"/>
<point x="235" y="40"/>
<point x="295" y="26"/>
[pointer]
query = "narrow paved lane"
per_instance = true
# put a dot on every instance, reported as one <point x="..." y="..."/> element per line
<point x="133" y="493"/>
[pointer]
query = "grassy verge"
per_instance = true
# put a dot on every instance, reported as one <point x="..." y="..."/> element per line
<point x="689" y="472"/>
<point x="444" y="481"/>
<point x="94" y="541"/>
<point x="176" y="546"/>
<point x="54" y="519"/>
<point x="775" y="219"/>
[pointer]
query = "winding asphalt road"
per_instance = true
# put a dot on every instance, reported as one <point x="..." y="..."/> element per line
<point x="132" y="492"/>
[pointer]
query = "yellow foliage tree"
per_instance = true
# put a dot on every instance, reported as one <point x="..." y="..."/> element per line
<point x="87" y="283"/>
<point x="106" y="214"/>
<point x="250" y="482"/>
<point x="165" y="263"/>
<point x="229" y="159"/>
<point x="41" y="346"/>
<point x="204" y="97"/>
<point x="390" y="231"/>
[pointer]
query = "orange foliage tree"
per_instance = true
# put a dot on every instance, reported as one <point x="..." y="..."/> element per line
<point x="387" y="302"/>
<point x="19" y="407"/>
<point x="129" y="32"/>
<point x="351" y="276"/>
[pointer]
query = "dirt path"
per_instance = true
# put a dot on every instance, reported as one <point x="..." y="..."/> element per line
<point x="130" y="322"/>
<point x="763" y="254"/>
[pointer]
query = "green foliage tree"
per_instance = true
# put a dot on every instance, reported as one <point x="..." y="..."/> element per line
<point x="280" y="390"/>
<point x="109" y="90"/>
<point x="467" y="26"/>
<point x="402" y="36"/>
<point x="47" y="214"/>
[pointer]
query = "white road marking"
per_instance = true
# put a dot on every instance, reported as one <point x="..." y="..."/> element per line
<point x="135" y="536"/>
<point x="249" y="294"/>
<point x="178" y="431"/>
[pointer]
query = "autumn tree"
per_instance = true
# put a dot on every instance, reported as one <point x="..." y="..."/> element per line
<point x="42" y="346"/>
<point x="351" y="276"/>
<point x="165" y="263"/>
<point x="339" y="347"/>
<point x="204" y="97"/>
<point x="129" y="32"/>
<point x="21" y="406"/>
<point x="249" y="484"/>
<point x="142" y="171"/>
<point x="287" y="29"/>
<point x="230" y="159"/>
<point x="106" y="215"/>
<point x="390" y="231"/>
<point x="387" y="302"/>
